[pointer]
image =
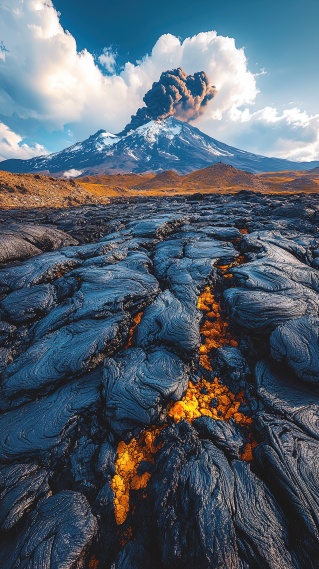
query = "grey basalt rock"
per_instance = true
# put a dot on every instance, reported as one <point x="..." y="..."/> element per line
<point x="191" y="493"/>
<point x="165" y="253"/>
<point x="41" y="269"/>
<point x="159" y="226"/>
<point x="169" y="321"/>
<point x="210" y="249"/>
<point x="283" y="394"/>
<point x="197" y="252"/>
<point x="288" y="459"/>
<point x="70" y="351"/>
<point x="261" y="248"/>
<point x="260" y="522"/>
<point x="287" y="240"/>
<point x="270" y="276"/>
<point x="224" y="434"/>
<point x="271" y="293"/>
<point x="82" y="459"/>
<point x="6" y="332"/>
<point x="14" y="248"/>
<point x="22" y="485"/>
<point x="138" y="384"/>
<point x="58" y="534"/>
<point x="297" y="344"/>
<point x="187" y="263"/>
<point x="37" y="428"/>
<point x="262" y="312"/>
<point x="102" y="291"/>
<point x="44" y="236"/>
<point x="62" y="311"/>
<point x="19" y="242"/>
<point x="5" y="358"/>
<point x="222" y="233"/>
<point x="25" y="305"/>
<point x="105" y="464"/>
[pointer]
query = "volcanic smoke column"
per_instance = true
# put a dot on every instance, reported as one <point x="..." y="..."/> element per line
<point x="175" y="94"/>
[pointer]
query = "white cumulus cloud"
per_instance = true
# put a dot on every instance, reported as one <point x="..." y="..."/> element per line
<point x="108" y="59"/>
<point x="12" y="145"/>
<point x="290" y="133"/>
<point x="73" y="173"/>
<point x="44" y="76"/>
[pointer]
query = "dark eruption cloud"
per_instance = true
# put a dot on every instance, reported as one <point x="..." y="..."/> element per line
<point x="175" y="94"/>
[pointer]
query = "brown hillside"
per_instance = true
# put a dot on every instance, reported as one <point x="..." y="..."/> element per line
<point x="303" y="182"/>
<point x="35" y="190"/>
<point x="117" y="180"/>
<point x="166" y="179"/>
<point x="221" y="176"/>
<point x="291" y="181"/>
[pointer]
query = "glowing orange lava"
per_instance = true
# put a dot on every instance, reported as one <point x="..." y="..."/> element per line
<point x="211" y="399"/>
<point x="206" y="398"/>
<point x="248" y="452"/>
<point x="137" y="319"/>
<point x="214" y="328"/>
<point x="93" y="563"/>
<point x="126" y="478"/>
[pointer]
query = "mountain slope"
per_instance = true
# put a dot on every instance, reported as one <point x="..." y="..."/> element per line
<point x="169" y="144"/>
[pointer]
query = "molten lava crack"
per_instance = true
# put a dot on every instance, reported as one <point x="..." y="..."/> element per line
<point x="206" y="398"/>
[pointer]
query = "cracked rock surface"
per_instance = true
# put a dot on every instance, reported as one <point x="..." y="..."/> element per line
<point x="159" y="363"/>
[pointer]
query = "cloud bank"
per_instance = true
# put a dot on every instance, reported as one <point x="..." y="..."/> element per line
<point x="45" y="78"/>
<point x="288" y="133"/>
<point x="12" y="145"/>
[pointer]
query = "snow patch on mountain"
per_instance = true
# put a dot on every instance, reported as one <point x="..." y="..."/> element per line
<point x="158" y="145"/>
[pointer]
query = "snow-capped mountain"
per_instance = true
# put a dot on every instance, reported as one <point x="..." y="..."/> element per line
<point x="168" y="144"/>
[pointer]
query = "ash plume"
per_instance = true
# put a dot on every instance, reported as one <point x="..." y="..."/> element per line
<point x="175" y="94"/>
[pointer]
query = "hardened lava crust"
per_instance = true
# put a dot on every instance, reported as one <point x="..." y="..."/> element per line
<point x="159" y="364"/>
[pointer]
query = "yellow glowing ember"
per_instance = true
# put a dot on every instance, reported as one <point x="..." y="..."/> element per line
<point x="225" y="268"/>
<point x="248" y="452"/>
<point x="214" y="329"/>
<point x="211" y="399"/>
<point x="137" y="320"/>
<point x="126" y="478"/>
<point x="93" y="563"/>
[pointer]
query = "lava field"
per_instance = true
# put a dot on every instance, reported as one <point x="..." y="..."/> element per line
<point x="159" y="390"/>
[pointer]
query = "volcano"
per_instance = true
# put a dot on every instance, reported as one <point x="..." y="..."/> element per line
<point x="157" y="146"/>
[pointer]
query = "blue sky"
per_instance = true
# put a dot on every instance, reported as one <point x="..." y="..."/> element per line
<point x="279" y="35"/>
<point x="70" y="67"/>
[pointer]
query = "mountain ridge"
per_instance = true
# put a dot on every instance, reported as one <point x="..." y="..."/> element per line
<point x="168" y="144"/>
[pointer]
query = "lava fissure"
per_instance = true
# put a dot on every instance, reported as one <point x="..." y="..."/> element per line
<point x="208" y="398"/>
<point x="140" y="367"/>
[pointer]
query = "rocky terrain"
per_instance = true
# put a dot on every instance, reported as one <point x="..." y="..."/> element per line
<point x="219" y="177"/>
<point x="34" y="190"/>
<point x="159" y="391"/>
<point x="29" y="191"/>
